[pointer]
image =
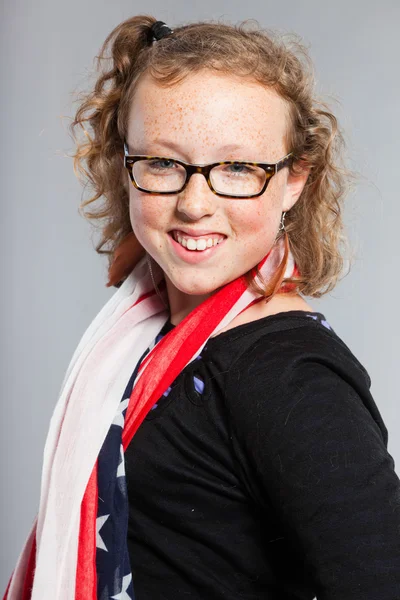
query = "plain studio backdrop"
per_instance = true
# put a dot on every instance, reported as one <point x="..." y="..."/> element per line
<point x="53" y="282"/>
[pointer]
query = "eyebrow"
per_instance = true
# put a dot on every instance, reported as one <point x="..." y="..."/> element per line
<point x="176" y="147"/>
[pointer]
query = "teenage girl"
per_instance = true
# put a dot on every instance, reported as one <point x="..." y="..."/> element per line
<point x="214" y="438"/>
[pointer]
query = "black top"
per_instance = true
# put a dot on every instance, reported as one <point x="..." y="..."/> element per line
<point x="263" y="473"/>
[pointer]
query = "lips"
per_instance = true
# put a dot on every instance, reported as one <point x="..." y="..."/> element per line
<point x="195" y="233"/>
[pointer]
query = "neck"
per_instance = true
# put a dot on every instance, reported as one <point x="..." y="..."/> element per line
<point x="182" y="304"/>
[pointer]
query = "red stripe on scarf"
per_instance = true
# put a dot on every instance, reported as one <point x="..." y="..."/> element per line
<point x="30" y="570"/>
<point x="8" y="587"/>
<point x="175" y="350"/>
<point x="86" y="578"/>
<point x="26" y="592"/>
<point x="150" y="293"/>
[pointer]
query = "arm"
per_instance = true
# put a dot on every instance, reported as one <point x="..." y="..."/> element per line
<point x="321" y="461"/>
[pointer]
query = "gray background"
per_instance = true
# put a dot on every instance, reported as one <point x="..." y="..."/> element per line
<point x="53" y="281"/>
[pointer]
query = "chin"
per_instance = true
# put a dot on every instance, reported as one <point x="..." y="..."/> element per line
<point x="197" y="288"/>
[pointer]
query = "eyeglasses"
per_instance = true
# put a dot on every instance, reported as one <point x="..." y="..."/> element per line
<point x="233" y="178"/>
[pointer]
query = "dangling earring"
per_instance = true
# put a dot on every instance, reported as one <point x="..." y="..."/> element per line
<point x="154" y="283"/>
<point x="282" y="223"/>
<point x="281" y="229"/>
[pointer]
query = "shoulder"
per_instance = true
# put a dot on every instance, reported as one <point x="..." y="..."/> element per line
<point x="296" y="340"/>
<point x="296" y="368"/>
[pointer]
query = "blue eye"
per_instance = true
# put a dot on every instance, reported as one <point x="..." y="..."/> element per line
<point x="159" y="165"/>
<point x="245" y="168"/>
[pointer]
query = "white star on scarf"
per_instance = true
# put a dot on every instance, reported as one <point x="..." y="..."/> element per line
<point x="119" y="418"/>
<point x="99" y="524"/>
<point x="121" y="466"/>
<point x="125" y="584"/>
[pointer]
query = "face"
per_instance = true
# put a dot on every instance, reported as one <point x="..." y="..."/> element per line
<point x="196" y="121"/>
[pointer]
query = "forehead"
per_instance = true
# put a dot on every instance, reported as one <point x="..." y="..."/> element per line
<point x="207" y="110"/>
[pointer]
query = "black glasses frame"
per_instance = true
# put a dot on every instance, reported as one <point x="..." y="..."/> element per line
<point x="270" y="169"/>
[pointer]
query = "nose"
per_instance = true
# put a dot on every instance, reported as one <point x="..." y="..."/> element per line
<point x="196" y="200"/>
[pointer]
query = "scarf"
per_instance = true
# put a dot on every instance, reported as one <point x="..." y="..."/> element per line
<point x="58" y="559"/>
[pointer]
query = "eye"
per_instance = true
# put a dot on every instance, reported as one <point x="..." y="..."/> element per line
<point x="164" y="164"/>
<point x="238" y="168"/>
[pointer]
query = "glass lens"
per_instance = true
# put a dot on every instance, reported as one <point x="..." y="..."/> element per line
<point x="159" y="175"/>
<point x="238" y="179"/>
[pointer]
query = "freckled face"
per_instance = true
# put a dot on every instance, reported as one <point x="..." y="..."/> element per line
<point x="201" y="114"/>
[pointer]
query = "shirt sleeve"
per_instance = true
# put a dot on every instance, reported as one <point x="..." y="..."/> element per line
<point x="320" y="458"/>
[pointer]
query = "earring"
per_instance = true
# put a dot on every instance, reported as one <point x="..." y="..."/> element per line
<point x="282" y="223"/>
<point x="154" y="283"/>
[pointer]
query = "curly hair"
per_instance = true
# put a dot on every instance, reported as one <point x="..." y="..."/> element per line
<point x="314" y="226"/>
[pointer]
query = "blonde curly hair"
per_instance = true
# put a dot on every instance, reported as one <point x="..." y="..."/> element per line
<point x="314" y="228"/>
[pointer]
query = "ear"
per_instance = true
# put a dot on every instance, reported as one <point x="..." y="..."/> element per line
<point x="294" y="186"/>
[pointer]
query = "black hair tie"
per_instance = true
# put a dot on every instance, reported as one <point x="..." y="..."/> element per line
<point x="159" y="30"/>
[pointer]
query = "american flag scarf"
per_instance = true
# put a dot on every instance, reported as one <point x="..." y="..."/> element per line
<point x="83" y="499"/>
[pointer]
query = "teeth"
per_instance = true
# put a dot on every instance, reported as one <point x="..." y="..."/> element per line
<point x="192" y="244"/>
<point x="196" y="244"/>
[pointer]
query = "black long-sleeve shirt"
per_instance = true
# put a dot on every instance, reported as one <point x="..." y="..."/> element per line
<point x="263" y="473"/>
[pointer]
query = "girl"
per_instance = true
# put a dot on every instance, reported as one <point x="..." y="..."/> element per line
<point x="214" y="437"/>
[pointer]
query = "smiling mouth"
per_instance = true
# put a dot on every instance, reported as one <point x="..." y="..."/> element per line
<point x="198" y="245"/>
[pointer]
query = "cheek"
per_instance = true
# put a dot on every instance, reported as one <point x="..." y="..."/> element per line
<point x="145" y="215"/>
<point x="254" y="222"/>
<point x="265" y="216"/>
